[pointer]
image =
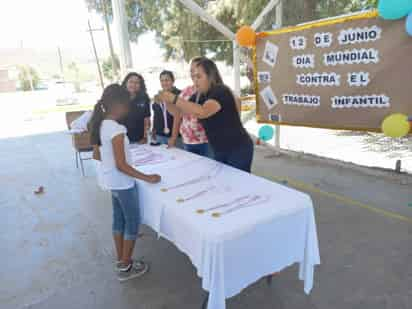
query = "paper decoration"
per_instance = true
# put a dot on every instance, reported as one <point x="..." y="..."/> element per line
<point x="353" y="72"/>
<point x="275" y="118"/>
<point x="359" y="35"/>
<point x="271" y="54"/>
<point x="269" y="97"/>
<point x="263" y="77"/>
<point x="368" y="101"/>
<point x="297" y="42"/>
<point x="318" y="79"/>
<point x="304" y="61"/>
<point x="358" y="79"/>
<point x="354" y="56"/>
<point x="323" y="39"/>
<point x="301" y="100"/>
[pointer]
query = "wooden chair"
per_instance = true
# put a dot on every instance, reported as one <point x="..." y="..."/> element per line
<point x="81" y="141"/>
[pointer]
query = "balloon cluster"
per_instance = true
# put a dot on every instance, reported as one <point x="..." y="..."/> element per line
<point x="397" y="9"/>
<point x="266" y="133"/>
<point x="397" y="125"/>
<point x="246" y="36"/>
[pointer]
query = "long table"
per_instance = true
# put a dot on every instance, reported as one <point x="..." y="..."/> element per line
<point x="237" y="243"/>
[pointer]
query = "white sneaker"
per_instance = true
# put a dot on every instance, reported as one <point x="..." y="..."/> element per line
<point x="117" y="265"/>
<point x="134" y="270"/>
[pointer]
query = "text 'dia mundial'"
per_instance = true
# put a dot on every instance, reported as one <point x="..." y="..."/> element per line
<point x="304" y="61"/>
<point x="354" y="56"/>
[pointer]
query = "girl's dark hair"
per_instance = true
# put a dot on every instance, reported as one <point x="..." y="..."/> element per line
<point x="211" y="71"/>
<point x="112" y="94"/>
<point x="141" y="79"/>
<point x="196" y="59"/>
<point x="167" y="73"/>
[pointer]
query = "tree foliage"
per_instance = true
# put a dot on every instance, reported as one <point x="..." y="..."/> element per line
<point x="28" y="78"/>
<point x="107" y="67"/>
<point x="183" y="35"/>
<point x="75" y="72"/>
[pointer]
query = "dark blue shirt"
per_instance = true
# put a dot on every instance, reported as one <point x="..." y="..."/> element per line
<point x="139" y="109"/>
<point x="224" y="129"/>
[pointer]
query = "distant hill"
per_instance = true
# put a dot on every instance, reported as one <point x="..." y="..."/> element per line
<point x="45" y="61"/>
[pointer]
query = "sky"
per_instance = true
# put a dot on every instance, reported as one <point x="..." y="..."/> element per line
<point x="43" y="23"/>
<point x="46" y="24"/>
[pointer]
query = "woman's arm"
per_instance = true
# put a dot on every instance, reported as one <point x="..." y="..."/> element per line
<point x="177" y="121"/>
<point x="96" y="153"/>
<point x="123" y="166"/>
<point x="147" y="122"/>
<point x="208" y="109"/>
<point x="238" y="103"/>
<point x="147" y="125"/>
<point x="172" y="109"/>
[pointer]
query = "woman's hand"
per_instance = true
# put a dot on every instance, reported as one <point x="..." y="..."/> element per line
<point x="166" y="96"/>
<point x="157" y="98"/>
<point x="172" y="142"/>
<point x="142" y="141"/>
<point x="153" y="178"/>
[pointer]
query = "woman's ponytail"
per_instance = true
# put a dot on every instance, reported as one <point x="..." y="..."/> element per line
<point x="112" y="94"/>
<point x="96" y="122"/>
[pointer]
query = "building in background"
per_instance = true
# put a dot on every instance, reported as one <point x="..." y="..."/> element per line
<point x="7" y="82"/>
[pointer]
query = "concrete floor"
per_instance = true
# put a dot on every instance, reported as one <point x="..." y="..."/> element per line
<point x="56" y="249"/>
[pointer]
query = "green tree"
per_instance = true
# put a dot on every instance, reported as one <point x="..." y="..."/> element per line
<point x="107" y="67"/>
<point x="183" y="35"/>
<point x="28" y="78"/>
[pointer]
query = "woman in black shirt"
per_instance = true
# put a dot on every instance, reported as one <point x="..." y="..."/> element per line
<point x="166" y="127"/>
<point x="219" y="115"/>
<point x="137" y="120"/>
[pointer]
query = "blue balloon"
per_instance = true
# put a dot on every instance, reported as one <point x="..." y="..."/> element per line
<point x="409" y="24"/>
<point x="394" y="9"/>
<point x="266" y="133"/>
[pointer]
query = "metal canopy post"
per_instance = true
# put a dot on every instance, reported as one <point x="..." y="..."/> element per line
<point x="269" y="7"/>
<point x="205" y="16"/>
<point x="120" y="20"/>
<point x="257" y="23"/>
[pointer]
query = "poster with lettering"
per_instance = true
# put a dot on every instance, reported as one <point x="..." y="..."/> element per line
<point x="344" y="73"/>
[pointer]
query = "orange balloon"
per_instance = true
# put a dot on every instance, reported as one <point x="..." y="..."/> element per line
<point x="246" y="36"/>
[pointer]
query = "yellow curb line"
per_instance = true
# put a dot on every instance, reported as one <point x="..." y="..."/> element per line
<point x="309" y="188"/>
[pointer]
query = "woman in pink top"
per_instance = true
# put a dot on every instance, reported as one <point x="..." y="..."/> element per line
<point x="193" y="133"/>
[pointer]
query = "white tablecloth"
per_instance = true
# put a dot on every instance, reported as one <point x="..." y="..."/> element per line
<point x="235" y="250"/>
